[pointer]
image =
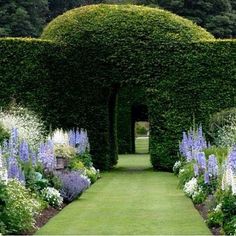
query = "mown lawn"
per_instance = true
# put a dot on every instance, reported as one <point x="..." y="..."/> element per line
<point x="131" y="199"/>
<point x="142" y="145"/>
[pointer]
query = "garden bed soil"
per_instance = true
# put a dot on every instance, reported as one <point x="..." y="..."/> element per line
<point x="203" y="210"/>
<point x="45" y="216"/>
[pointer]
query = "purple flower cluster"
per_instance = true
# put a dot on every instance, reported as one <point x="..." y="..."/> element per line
<point x="46" y="155"/>
<point x="201" y="160"/>
<point x="212" y="166"/>
<point x="11" y="149"/>
<point x="208" y="168"/>
<point x="17" y="153"/>
<point x="79" y="140"/>
<point x="193" y="142"/>
<point x="73" y="185"/>
<point x="232" y="159"/>
<point x="14" y="170"/>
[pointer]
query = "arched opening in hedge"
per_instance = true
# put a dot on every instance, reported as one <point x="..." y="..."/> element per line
<point x="94" y="57"/>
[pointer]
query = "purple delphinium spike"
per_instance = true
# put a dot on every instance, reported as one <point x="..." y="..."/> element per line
<point x="206" y="178"/>
<point x="201" y="160"/>
<point x="232" y="159"/>
<point x="212" y="166"/>
<point x="72" y="138"/>
<point x="193" y="141"/>
<point x="196" y="170"/>
<point x="33" y="158"/>
<point x="77" y="137"/>
<point x="13" y="168"/>
<point x="46" y="155"/>
<point x="24" y="151"/>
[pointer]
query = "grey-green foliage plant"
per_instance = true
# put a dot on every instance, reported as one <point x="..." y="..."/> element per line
<point x="223" y="127"/>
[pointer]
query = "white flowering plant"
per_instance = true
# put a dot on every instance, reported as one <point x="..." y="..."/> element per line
<point x="191" y="187"/>
<point x="30" y="126"/>
<point x="52" y="196"/>
<point x="92" y="173"/>
<point x="199" y="196"/>
<point x="176" y="167"/>
<point x="19" y="209"/>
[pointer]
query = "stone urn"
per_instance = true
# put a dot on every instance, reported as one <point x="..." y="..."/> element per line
<point x="61" y="163"/>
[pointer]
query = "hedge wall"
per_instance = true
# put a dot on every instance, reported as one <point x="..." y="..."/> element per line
<point x="131" y="101"/>
<point x="196" y="80"/>
<point x="38" y="74"/>
<point x="24" y="70"/>
<point x="102" y="49"/>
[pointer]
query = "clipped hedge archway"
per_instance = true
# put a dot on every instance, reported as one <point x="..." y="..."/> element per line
<point x="97" y="51"/>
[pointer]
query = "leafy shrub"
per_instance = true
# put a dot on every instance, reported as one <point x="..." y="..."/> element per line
<point x="199" y="196"/>
<point x="76" y="164"/>
<point x="230" y="227"/>
<point x="18" y="208"/>
<point x="65" y="151"/>
<point x="92" y="174"/>
<point x="186" y="173"/>
<point x="52" y="196"/>
<point x="86" y="159"/>
<point x="73" y="185"/>
<point x="220" y="152"/>
<point x="228" y="205"/>
<point x="215" y="217"/>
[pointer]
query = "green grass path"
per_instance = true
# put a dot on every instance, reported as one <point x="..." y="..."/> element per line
<point x="131" y="199"/>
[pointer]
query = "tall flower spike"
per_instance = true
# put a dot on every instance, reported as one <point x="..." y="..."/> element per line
<point x="232" y="159"/>
<point x="201" y="159"/>
<point x="24" y="151"/>
<point x="196" y="170"/>
<point x="206" y="178"/>
<point x="212" y="166"/>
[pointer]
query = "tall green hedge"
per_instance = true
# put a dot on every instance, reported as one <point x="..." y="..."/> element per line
<point x="99" y="51"/>
<point x="24" y="70"/>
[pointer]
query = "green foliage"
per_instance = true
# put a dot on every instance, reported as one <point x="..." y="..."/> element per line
<point x="141" y="129"/>
<point x="64" y="151"/>
<point x="4" y="135"/>
<point x="99" y="49"/>
<point x="228" y="206"/>
<point x="218" y="17"/>
<point x="19" y="208"/>
<point x="199" y="196"/>
<point x="86" y="159"/>
<point x="76" y="164"/>
<point x="92" y="174"/>
<point x="221" y="153"/>
<point x="22" y="18"/>
<point x="185" y="174"/>
<point x="230" y="227"/>
<point x="221" y="127"/>
<point x="215" y="218"/>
